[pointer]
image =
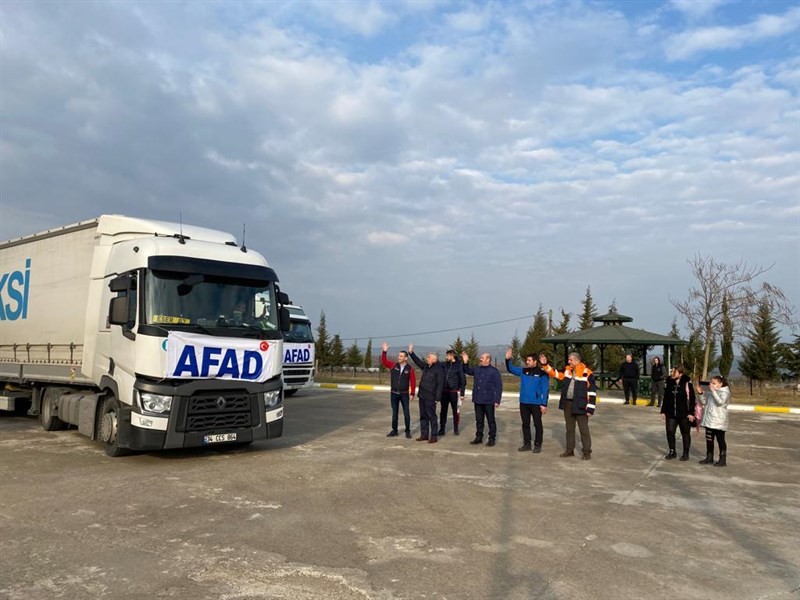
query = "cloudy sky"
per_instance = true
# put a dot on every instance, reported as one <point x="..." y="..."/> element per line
<point x="414" y="166"/>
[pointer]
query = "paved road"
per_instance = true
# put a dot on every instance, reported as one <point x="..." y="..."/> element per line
<point x="335" y="510"/>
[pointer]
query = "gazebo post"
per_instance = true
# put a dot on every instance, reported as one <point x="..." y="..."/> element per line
<point x="644" y="359"/>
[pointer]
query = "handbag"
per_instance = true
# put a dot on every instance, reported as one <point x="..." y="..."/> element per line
<point x="698" y="410"/>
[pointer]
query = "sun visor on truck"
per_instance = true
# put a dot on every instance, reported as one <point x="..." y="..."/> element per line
<point x="185" y="264"/>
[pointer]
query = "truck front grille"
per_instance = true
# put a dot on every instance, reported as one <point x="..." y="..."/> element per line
<point x="296" y="375"/>
<point x="217" y="413"/>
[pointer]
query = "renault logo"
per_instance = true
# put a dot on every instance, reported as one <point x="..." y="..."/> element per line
<point x="221" y="403"/>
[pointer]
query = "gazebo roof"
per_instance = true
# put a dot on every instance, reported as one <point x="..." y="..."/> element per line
<point x="612" y="317"/>
<point x="615" y="334"/>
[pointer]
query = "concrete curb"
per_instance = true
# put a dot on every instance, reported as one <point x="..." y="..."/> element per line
<point x="555" y="397"/>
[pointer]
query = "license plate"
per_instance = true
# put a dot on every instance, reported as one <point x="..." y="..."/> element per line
<point x="216" y="438"/>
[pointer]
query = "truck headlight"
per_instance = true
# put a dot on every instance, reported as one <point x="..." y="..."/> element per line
<point x="155" y="403"/>
<point x="272" y="399"/>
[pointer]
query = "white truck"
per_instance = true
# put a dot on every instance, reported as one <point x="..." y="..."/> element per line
<point x="145" y="335"/>
<point x="298" y="352"/>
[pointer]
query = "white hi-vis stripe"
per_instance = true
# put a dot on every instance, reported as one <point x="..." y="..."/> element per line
<point x="592" y="393"/>
<point x="581" y="379"/>
<point x="590" y="406"/>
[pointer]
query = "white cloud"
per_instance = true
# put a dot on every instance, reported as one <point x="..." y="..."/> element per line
<point x="697" y="9"/>
<point x="695" y="41"/>
<point x="386" y="238"/>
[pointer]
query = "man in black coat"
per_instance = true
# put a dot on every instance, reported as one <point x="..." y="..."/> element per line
<point x="629" y="373"/>
<point x="431" y="385"/>
<point x="455" y="383"/>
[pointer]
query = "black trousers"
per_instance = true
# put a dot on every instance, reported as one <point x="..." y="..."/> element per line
<point x="428" y="424"/>
<point x="720" y="436"/>
<point x="449" y="399"/>
<point x="686" y="433"/>
<point x="631" y="388"/>
<point x="485" y="411"/>
<point x="398" y="400"/>
<point x="526" y="411"/>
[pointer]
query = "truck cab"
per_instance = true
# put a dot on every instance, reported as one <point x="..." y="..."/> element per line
<point x="298" y="352"/>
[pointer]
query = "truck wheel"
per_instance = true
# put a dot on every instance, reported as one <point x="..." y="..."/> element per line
<point x="47" y="413"/>
<point x="108" y="428"/>
<point x="288" y="393"/>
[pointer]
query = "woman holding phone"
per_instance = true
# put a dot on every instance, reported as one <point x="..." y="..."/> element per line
<point x="715" y="399"/>
<point x="677" y="410"/>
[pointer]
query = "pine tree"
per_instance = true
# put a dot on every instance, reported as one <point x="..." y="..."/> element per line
<point x="336" y="354"/>
<point x="516" y="349"/>
<point x="790" y="358"/>
<point x="322" y="344"/>
<point x="354" y="357"/>
<point x="368" y="355"/>
<point x="692" y="355"/>
<point x="587" y="322"/>
<point x="533" y="339"/>
<point x="458" y="347"/>
<point x="726" y="357"/>
<point x="563" y="326"/>
<point x="472" y="348"/>
<point x="760" y="356"/>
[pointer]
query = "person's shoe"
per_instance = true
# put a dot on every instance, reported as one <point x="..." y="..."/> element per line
<point x="626" y="402"/>
<point x="586" y="456"/>
<point x="723" y="460"/>
<point x="433" y="440"/>
<point x="524" y="448"/>
<point x="685" y="456"/>
<point x="441" y="431"/>
<point x="422" y="438"/>
<point x="652" y="404"/>
<point x="455" y="430"/>
<point x="658" y="405"/>
<point x="491" y="442"/>
<point x="391" y="434"/>
<point x="537" y="449"/>
<point x="476" y="441"/>
<point x="567" y="453"/>
<point x="708" y="460"/>
<point x="671" y="456"/>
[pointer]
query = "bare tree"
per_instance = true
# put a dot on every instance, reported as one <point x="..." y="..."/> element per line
<point x="716" y="281"/>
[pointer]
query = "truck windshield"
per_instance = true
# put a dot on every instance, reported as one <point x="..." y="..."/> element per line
<point x="210" y="304"/>
<point x="299" y="331"/>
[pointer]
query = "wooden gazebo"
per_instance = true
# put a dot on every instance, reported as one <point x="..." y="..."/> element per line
<point x="612" y="332"/>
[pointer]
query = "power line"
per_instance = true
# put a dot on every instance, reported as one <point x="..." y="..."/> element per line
<point x="388" y="337"/>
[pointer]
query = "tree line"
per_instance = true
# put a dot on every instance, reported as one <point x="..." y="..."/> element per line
<point x="725" y="307"/>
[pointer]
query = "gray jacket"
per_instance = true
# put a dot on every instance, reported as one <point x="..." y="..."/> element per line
<point x="715" y="403"/>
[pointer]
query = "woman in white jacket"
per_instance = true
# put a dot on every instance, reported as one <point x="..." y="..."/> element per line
<point x="715" y="401"/>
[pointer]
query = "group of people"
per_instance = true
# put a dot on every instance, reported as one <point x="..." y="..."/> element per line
<point x="446" y="383"/>
<point x="680" y="410"/>
<point x="629" y="375"/>
<point x="682" y="404"/>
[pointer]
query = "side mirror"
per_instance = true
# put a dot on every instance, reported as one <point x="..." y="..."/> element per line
<point x="283" y="316"/>
<point x="123" y="283"/>
<point x="283" y="298"/>
<point x="118" y="311"/>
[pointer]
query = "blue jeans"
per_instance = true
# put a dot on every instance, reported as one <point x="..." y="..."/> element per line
<point x="397" y="400"/>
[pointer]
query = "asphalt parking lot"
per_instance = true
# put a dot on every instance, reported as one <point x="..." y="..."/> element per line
<point x="335" y="510"/>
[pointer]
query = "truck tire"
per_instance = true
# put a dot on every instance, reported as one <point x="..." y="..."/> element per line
<point x="288" y="393"/>
<point x="108" y="427"/>
<point x="47" y="413"/>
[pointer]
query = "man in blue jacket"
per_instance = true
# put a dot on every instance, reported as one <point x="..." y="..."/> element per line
<point x="487" y="390"/>
<point x="533" y="389"/>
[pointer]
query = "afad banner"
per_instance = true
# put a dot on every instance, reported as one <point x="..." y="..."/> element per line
<point x="194" y="356"/>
